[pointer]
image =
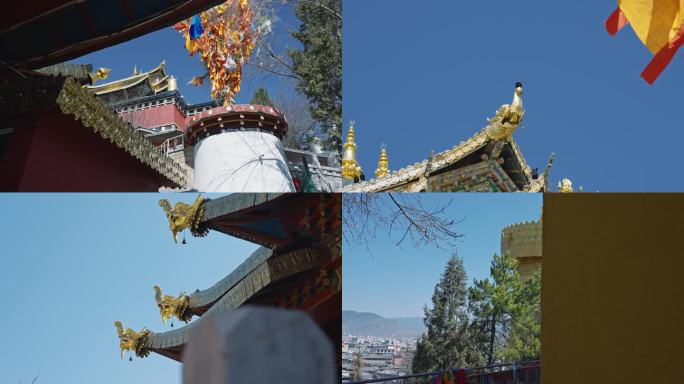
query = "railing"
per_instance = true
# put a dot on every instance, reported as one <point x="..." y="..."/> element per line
<point x="171" y="145"/>
<point x="525" y="372"/>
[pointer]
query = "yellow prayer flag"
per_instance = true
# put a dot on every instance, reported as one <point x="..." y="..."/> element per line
<point x="656" y="22"/>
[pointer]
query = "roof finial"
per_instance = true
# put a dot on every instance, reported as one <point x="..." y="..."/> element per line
<point x="350" y="167"/>
<point x="507" y="118"/>
<point x="565" y="186"/>
<point x="135" y="70"/>
<point x="100" y="74"/>
<point x="383" y="163"/>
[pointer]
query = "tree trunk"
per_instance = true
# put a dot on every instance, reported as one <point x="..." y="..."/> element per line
<point x="492" y="334"/>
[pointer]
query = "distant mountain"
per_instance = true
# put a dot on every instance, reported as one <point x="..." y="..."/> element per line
<point x="370" y="324"/>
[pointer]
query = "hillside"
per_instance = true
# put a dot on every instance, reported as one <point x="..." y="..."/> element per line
<point x="371" y="324"/>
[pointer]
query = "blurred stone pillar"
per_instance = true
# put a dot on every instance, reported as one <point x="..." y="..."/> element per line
<point x="258" y="345"/>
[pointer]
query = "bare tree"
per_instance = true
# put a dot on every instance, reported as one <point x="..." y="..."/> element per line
<point x="271" y="54"/>
<point x="270" y="57"/>
<point x="403" y="213"/>
<point x="300" y="125"/>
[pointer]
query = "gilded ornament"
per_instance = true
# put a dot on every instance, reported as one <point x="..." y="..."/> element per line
<point x="129" y="340"/>
<point x="507" y="118"/>
<point x="183" y="216"/>
<point x="383" y="164"/>
<point x="100" y="74"/>
<point x="565" y="186"/>
<point x="350" y="167"/>
<point x="172" y="306"/>
<point x="93" y="113"/>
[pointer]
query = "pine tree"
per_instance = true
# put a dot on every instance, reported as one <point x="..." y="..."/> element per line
<point x="446" y="343"/>
<point x="319" y="64"/>
<point x="261" y="98"/>
<point x="497" y="308"/>
<point x="423" y="357"/>
<point x="524" y="340"/>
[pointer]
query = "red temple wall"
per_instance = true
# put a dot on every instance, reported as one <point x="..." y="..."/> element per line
<point x="155" y="116"/>
<point x="54" y="152"/>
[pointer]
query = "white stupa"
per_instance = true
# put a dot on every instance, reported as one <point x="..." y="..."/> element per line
<point x="238" y="149"/>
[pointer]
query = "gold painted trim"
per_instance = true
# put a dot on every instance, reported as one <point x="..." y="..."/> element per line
<point x="93" y="113"/>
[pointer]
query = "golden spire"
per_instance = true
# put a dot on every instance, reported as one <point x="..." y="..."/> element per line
<point x="135" y="70"/>
<point x="383" y="164"/>
<point x="350" y="167"/>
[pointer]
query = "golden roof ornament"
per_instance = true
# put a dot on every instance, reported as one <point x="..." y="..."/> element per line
<point x="172" y="306"/>
<point x="173" y="84"/>
<point x="507" y="118"/>
<point x="383" y="164"/>
<point x="183" y="216"/>
<point x="350" y="167"/>
<point x="101" y="74"/>
<point x="129" y="340"/>
<point x="565" y="186"/>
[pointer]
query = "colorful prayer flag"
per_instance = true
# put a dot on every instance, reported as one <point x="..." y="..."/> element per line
<point x="659" y="24"/>
<point x="196" y="29"/>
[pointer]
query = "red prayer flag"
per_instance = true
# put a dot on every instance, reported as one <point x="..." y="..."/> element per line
<point x="616" y="21"/>
<point x="663" y="58"/>
<point x="461" y="377"/>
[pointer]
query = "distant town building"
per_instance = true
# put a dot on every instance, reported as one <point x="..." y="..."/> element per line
<point x="381" y="357"/>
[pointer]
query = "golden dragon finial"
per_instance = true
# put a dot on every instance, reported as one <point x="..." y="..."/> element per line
<point x="183" y="216"/>
<point x="172" y="306"/>
<point x="507" y="118"/>
<point x="129" y="340"/>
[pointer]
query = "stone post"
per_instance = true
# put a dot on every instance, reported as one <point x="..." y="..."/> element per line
<point x="258" y="345"/>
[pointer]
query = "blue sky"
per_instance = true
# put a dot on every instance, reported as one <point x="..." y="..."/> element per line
<point x="147" y="51"/>
<point x="75" y="263"/>
<point x="398" y="282"/>
<point x="423" y="76"/>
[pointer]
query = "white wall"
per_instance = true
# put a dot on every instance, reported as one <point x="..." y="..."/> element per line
<point x="241" y="161"/>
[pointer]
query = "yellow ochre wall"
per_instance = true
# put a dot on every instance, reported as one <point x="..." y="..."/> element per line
<point x="524" y="242"/>
<point x="613" y="288"/>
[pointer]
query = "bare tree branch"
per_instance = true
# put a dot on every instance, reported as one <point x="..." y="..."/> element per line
<point x="273" y="71"/>
<point x="404" y="213"/>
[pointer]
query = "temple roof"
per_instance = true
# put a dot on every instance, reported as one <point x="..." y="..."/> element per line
<point x="36" y="34"/>
<point x="269" y="277"/>
<point x="206" y="297"/>
<point x="236" y="116"/>
<point x="273" y="220"/>
<point x="156" y="79"/>
<point x="447" y="159"/>
<point x="246" y="284"/>
<point x="491" y="158"/>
